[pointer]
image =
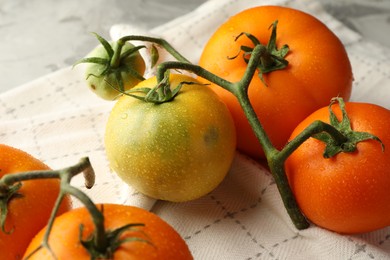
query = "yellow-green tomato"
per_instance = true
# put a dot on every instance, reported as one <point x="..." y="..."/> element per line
<point x="175" y="151"/>
<point x="105" y="85"/>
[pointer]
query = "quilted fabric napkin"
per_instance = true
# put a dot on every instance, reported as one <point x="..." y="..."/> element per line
<point x="57" y="119"/>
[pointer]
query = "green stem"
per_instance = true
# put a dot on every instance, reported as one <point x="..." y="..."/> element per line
<point x="275" y="164"/>
<point x="100" y="239"/>
<point x="116" y="58"/>
<point x="277" y="161"/>
<point x="10" y="179"/>
<point x="163" y="43"/>
<point x="314" y="128"/>
<point x="288" y="198"/>
<point x="83" y="166"/>
<point x="261" y="135"/>
<point x="97" y="216"/>
<point x="163" y="67"/>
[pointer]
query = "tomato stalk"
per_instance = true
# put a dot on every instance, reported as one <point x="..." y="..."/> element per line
<point x="263" y="59"/>
<point x="314" y="128"/>
<point x="102" y="243"/>
<point x="161" y="42"/>
<point x="11" y="183"/>
<point x="337" y="136"/>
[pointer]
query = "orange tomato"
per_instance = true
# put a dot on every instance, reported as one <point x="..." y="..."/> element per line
<point x="349" y="192"/>
<point x="318" y="69"/>
<point x="164" y="241"/>
<point x="28" y="213"/>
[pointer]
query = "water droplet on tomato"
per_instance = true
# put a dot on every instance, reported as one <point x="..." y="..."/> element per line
<point x="224" y="73"/>
<point x="124" y="116"/>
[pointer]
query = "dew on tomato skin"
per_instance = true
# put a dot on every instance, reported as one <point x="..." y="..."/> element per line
<point x="124" y="115"/>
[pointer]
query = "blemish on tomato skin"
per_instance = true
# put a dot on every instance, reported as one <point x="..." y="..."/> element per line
<point x="211" y="136"/>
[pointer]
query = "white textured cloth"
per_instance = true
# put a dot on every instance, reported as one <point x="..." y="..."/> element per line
<point x="58" y="120"/>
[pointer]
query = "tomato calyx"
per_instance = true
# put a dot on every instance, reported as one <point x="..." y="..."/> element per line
<point x="6" y="194"/>
<point x="114" y="63"/>
<point x="351" y="138"/>
<point x="271" y="57"/>
<point x="161" y="93"/>
<point x="113" y="241"/>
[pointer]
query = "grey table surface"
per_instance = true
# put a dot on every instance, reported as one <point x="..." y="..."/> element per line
<point x="41" y="36"/>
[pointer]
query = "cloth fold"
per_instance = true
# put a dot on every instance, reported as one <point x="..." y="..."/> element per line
<point x="57" y="119"/>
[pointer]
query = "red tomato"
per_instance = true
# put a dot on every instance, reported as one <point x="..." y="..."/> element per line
<point x="318" y="69"/>
<point x="165" y="242"/>
<point x="349" y="192"/>
<point x="28" y="213"/>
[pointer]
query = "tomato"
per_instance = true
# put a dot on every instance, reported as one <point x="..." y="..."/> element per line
<point x="163" y="240"/>
<point x="131" y="69"/>
<point x="349" y="192"/>
<point x="176" y="151"/>
<point x="318" y="69"/>
<point x="29" y="212"/>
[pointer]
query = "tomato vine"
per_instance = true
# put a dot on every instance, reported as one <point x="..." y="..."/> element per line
<point x="103" y="242"/>
<point x="274" y="157"/>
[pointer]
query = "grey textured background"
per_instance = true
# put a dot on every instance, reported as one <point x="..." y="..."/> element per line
<point x="42" y="36"/>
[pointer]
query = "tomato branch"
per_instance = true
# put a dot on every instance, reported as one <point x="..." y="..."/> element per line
<point x="83" y="166"/>
<point x="101" y="242"/>
<point x="161" y="42"/>
<point x="99" y="238"/>
<point x="338" y="136"/>
<point x="11" y="183"/>
<point x="314" y="128"/>
<point x="256" y="62"/>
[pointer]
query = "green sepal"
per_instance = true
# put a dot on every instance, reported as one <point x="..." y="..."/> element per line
<point x="154" y="55"/>
<point x="119" y="80"/>
<point x="106" y="45"/>
<point x="159" y="94"/>
<point x="110" y="69"/>
<point x="352" y="138"/>
<point x="127" y="53"/>
<point x="278" y="54"/>
<point x="97" y="60"/>
<point x="271" y="59"/>
<point x="9" y="193"/>
<point x="114" y="241"/>
<point x="131" y="71"/>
